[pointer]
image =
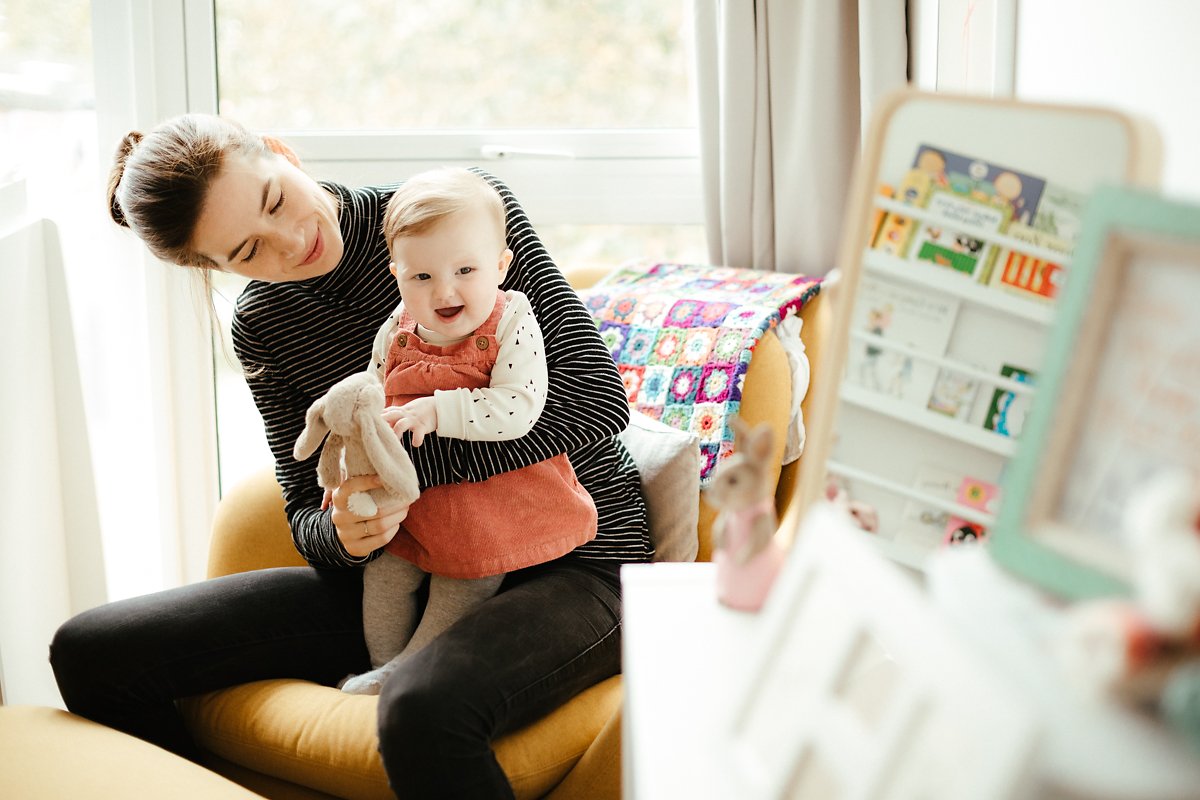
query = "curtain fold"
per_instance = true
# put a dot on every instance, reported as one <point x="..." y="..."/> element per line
<point x="785" y="88"/>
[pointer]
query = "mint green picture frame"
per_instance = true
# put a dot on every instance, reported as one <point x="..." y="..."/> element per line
<point x="1123" y="230"/>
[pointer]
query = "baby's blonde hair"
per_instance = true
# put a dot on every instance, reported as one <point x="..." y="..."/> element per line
<point x="429" y="197"/>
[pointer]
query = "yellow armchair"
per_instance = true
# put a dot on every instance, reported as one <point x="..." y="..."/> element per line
<point x="293" y="739"/>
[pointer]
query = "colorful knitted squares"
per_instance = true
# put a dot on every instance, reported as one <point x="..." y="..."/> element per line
<point x="632" y="378"/>
<point x="656" y="385"/>
<point x="683" y="335"/>
<point x="614" y="335"/>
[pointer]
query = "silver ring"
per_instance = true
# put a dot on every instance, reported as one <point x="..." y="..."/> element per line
<point x="365" y="533"/>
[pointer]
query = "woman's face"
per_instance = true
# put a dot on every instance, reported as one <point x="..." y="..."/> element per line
<point x="265" y="219"/>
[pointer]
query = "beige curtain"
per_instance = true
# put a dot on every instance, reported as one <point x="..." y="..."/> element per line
<point x="785" y="88"/>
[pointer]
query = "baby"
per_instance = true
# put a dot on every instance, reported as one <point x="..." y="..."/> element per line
<point x="460" y="358"/>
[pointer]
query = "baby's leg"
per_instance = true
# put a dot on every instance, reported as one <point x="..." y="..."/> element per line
<point x="389" y="616"/>
<point x="450" y="599"/>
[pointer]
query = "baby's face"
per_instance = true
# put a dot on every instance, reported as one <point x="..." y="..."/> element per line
<point x="448" y="275"/>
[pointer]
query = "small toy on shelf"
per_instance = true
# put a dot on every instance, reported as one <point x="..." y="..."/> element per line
<point x="1145" y="649"/>
<point x="861" y="514"/>
<point x="1162" y="525"/>
<point x="744" y="547"/>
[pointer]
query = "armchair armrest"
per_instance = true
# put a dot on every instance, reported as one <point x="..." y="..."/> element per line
<point x="250" y="529"/>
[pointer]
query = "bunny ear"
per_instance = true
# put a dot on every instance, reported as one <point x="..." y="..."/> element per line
<point x="390" y="459"/>
<point x="314" y="431"/>
<point x="760" y="442"/>
<point x="329" y="466"/>
<point x="740" y="428"/>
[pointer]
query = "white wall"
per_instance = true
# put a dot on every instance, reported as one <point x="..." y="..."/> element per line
<point x="1140" y="57"/>
<point x="1137" y="57"/>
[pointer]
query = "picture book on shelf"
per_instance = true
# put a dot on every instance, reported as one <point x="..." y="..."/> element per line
<point x="943" y="242"/>
<point x="892" y="232"/>
<point x="1059" y="216"/>
<point x="1007" y="410"/>
<point x="921" y="525"/>
<point x="973" y="493"/>
<point x="1028" y="276"/>
<point x="889" y="314"/>
<point x="1016" y="192"/>
<point x="953" y="393"/>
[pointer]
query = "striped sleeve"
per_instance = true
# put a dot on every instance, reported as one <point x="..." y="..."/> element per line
<point x="282" y="407"/>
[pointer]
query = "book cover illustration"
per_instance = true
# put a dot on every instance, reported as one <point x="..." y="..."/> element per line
<point x="1007" y="410"/>
<point x="1059" y="216"/>
<point x="892" y="232"/>
<point x="980" y="180"/>
<point x="1028" y="275"/>
<point x="953" y="393"/>
<point x="922" y="526"/>
<point x="944" y="243"/>
<point x="973" y="493"/>
<point x="916" y="318"/>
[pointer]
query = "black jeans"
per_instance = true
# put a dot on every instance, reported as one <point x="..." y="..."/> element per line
<point x="551" y="632"/>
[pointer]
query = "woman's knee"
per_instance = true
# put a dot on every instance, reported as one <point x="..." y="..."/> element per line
<point x="419" y="715"/>
<point x="80" y="655"/>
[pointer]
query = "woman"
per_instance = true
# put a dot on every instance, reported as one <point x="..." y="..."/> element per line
<point x="202" y="192"/>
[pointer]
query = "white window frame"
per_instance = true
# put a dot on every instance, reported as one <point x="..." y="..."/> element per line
<point x="157" y="58"/>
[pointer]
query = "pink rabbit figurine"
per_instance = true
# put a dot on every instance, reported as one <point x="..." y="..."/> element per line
<point x="744" y="547"/>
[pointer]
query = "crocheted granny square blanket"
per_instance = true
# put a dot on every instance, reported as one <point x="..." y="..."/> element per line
<point x="682" y="336"/>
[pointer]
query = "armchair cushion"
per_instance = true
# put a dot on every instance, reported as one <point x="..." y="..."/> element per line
<point x="324" y="739"/>
<point x="668" y="461"/>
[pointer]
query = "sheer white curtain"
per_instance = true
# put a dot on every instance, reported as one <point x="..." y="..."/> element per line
<point x="785" y="87"/>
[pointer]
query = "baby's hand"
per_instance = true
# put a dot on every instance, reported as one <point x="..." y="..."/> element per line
<point x="418" y="416"/>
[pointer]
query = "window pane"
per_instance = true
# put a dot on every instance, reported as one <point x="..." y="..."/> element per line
<point x="48" y="138"/>
<point x="455" y="64"/>
<point x="241" y="437"/>
<point x="582" y="246"/>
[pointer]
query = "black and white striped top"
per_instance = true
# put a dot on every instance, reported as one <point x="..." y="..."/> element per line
<point x="297" y="339"/>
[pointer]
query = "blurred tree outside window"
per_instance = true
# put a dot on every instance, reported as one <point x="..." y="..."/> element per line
<point x="455" y="64"/>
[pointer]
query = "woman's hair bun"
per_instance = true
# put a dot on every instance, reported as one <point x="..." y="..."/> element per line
<point x="124" y="149"/>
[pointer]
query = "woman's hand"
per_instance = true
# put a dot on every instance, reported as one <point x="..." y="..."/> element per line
<point x="361" y="536"/>
<point x="418" y="416"/>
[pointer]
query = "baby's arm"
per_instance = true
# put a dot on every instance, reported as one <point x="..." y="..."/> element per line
<point x="509" y="407"/>
<point x="383" y="340"/>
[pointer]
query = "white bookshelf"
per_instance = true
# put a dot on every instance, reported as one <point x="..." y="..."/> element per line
<point x="956" y="284"/>
<point x="888" y="439"/>
<point x="909" y="414"/>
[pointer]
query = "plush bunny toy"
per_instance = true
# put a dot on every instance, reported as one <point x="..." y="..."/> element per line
<point x="360" y="441"/>
<point x="744" y="547"/>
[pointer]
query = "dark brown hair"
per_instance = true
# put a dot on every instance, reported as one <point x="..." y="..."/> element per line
<point x="159" y="180"/>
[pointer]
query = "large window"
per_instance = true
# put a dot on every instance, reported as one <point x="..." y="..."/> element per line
<point x="48" y="140"/>
<point x="455" y="64"/>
